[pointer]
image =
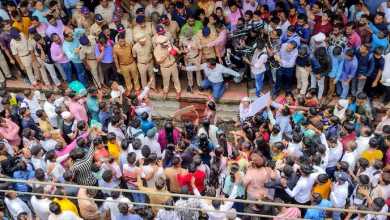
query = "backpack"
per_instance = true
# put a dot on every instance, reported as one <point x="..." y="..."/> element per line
<point x="370" y="105"/>
<point x="100" y="45"/>
<point x="131" y="137"/>
<point x="22" y="187"/>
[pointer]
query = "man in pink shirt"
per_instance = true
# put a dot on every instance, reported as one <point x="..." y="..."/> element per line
<point x="353" y="37"/>
<point x="220" y="41"/>
<point x="39" y="26"/>
<point x="76" y="107"/>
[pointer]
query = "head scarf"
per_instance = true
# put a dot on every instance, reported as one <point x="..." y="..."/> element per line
<point x="340" y="113"/>
<point x="245" y="112"/>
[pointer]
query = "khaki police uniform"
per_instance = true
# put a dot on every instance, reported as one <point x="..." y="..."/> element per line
<point x="86" y="23"/>
<point x="4" y="68"/>
<point x="96" y="29"/>
<point x="106" y="13"/>
<point x="206" y="51"/>
<point x="147" y="31"/>
<point x="125" y="24"/>
<point x="145" y="62"/>
<point x="154" y="39"/>
<point x="173" y="28"/>
<point x="88" y="53"/>
<point x="133" y="10"/>
<point x="126" y="17"/>
<point x="128" y="36"/>
<point x="145" y="3"/>
<point x="127" y="65"/>
<point x="134" y="24"/>
<point x="41" y="71"/>
<point x="21" y="48"/>
<point x="169" y="66"/>
<point x="193" y="57"/>
<point x="76" y="17"/>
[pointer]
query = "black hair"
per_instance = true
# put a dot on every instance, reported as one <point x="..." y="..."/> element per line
<point x="363" y="162"/>
<point x="131" y="158"/>
<point x="55" y="208"/>
<point x="169" y="132"/>
<point x="263" y="147"/>
<point x="348" y="126"/>
<point x="169" y="152"/>
<point x="215" y="171"/>
<point x="222" y="141"/>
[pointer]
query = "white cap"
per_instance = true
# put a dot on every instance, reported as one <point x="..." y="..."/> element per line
<point x="65" y="115"/>
<point x="320" y="37"/>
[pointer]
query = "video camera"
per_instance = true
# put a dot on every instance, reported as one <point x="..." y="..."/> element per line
<point x="242" y="32"/>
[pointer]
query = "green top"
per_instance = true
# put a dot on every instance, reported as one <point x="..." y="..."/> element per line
<point x="198" y="26"/>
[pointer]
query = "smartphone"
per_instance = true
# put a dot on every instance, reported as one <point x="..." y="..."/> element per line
<point x="52" y="11"/>
<point x="80" y="47"/>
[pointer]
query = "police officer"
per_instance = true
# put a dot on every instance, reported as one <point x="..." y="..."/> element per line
<point x="127" y="32"/>
<point x="106" y="9"/>
<point x="116" y="20"/>
<point x="125" y="64"/>
<point x="96" y="28"/>
<point x="87" y="54"/>
<point x="77" y="15"/>
<point x="191" y="44"/>
<point x="139" y="12"/>
<point x="87" y="21"/>
<point x="160" y="31"/>
<point x="142" y="51"/>
<point x="205" y="36"/>
<point x="170" y="26"/>
<point x="143" y="27"/>
<point x="165" y="58"/>
<point x="19" y="48"/>
<point x="38" y="66"/>
<point x="122" y="15"/>
<point x="155" y="17"/>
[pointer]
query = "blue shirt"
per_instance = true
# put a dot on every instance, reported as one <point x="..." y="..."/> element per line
<point x="104" y="119"/>
<point x="352" y="107"/>
<point x="69" y="3"/>
<point x="302" y="32"/>
<point x="337" y="64"/>
<point x="377" y="42"/>
<point x="107" y="56"/>
<point x="293" y="37"/>
<point x="181" y="19"/>
<point x="318" y="214"/>
<point x="373" y="5"/>
<point x="119" y="216"/>
<point x="70" y="191"/>
<point x="366" y="64"/>
<point x="349" y="69"/>
<point x="92" y="103"/>
<point x="288" y="58"/>
<point x="30" y="123"/>
<point x="146" y="125"/>
<point x="379" y="65"/>
<point x="40" y="16"/>
<point x="69" y="47"/>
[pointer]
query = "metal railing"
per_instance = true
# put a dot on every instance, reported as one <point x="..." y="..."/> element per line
<point x="181" y="195"/>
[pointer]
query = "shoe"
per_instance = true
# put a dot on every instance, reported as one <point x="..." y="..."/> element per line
<point x="27" y="80"/>
<point x="3" y="85"/>
<point x="189" y="89"/>
<point x="274" y="97"/>
<point x="380" y="106"/>
<point x="178" y="95"/>
<point x="253" y="90"/>
<point x="156" y="90"/>
<point x="165" y="95"/>
<point x="200" y="89"/>
<point x="327" y="101"/>
<point x="137" y="92"/>
<point x="127" y="92"/>
<point x="12" y="78"/>
<point x="37" y="87"/>
<point x="39" y="80"/>
<point x="50" y="87"/>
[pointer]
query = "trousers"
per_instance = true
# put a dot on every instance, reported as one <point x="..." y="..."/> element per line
<point x="146" y="71"/>
<point x="4" y="68"/>
<point x="302" y="79"/>
<point x="331" y="88"/>
<point x="167" y="73"/>
<point x="31" y="69"/>
<point x="357" y="86"/>
<point x="259" y="83"/>
<point x="80" y="73"/>
<point x="190" y="76"/>
<point x="97" y="73"/>
<point x="281" y="73"/>
<point x="128" y="72"/>
<point x="109" y="71"/>
<point x="67" y="67"/>
<point x="342" y="90"/>
<point x="218" y="88"/>
<point x="320" y="82"/>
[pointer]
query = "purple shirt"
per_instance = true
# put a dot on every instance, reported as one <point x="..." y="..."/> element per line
<point x="58" y="30"/>
<point x="163" y="141"/>
<point x="5" y="39"/>
<point x="41" y="29"/>
<point x="247" y="6"/>
<point x="221" y="42"/>
<point x="57" y="53"/>
<point x="349" y="69"/>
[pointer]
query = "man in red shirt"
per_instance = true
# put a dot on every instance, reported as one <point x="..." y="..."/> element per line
<point x="193" y="172"/>
<point x="349" y="133"/>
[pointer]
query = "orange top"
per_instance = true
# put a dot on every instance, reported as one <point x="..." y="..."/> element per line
<point x="323" y="190"/>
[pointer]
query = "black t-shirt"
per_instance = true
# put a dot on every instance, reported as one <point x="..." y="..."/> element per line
<point x="187" y="155"/>
<point x="46" y="50"/>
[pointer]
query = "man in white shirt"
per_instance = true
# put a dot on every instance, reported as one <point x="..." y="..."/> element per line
<point x="40" y="204"/>
<point x="50" y="106"/>
<point x="31" y="101"/>
<point x="151" y="141"/>
<point x="335" y="153"/>
<point x="58" y="214"/>
<point x="362" y="141"/>
<point x="302" y="191"/>
<point x="111" y="208"/>
<point x="339" y="193"/>
<point x="350" y="155"/>
<point x="16" y="205"/>
<point x="217" y="204"/>
<point x="257" y="64"/>
<point x="152" y="171"/>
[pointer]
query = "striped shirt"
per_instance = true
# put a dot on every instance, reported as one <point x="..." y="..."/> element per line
<point x="82" y="169"/>
<point x="291" y="213"/>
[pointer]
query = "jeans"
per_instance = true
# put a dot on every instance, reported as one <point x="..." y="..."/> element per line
<point x="138" y="197"/>
<point x="259" y="83"/>
<point x="336" y="215"/>
<point x="218" y="88"/>
<point x="342" y="90"/>
<point x="357" y="86"/>
<point x="80" y="73"/>
<point x="288" y="73"/>
<point x="330" y="171"/>
<point x="386" y="97"/>
<point x="321" y="83"/>
<point x="68" y="71"/>
<point x="270" y="73"/>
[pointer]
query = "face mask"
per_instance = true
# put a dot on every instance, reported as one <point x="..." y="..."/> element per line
<point x="166" y="43"/>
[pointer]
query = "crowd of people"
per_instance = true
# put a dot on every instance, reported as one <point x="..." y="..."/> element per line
<point x="297" y="150"/>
